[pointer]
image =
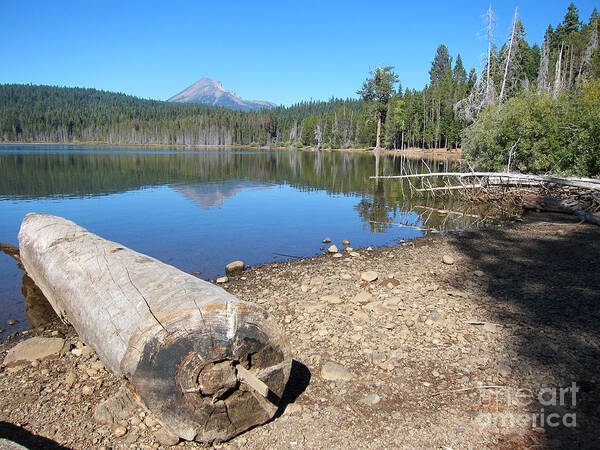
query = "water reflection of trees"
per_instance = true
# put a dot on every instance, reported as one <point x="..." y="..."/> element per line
<point x="39" y="174"/>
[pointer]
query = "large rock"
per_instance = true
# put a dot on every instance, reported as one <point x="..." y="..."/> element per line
<point x="234" y="268"/>
<point x="333" y="371"/>
<point x="34" y="348"/>
<point x="332" y="249"/>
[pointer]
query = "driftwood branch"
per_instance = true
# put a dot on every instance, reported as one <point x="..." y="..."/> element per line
<point x="200" y="359"/>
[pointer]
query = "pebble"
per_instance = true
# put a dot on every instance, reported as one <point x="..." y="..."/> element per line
<point x="478" y="273"/>
<point x="369" y="276"/>
<point x="333" y="371"/>
<point x="77" y="352"/>
<point x="372" y="399"/>
<point x="118" y="430"/>
<point x="327" y="240"/>
<point x="354" y="254"/>
<point x="504" y="370"/>
<point x="222" y="280"/>
<point x="45" y="372"/>
<point x="363" y="297"/>
<point x="332" y="249"/>
<point x="346" y="242"/>
<point x="135" y="421"/>
<point x="447" y="259"/>
<point x="333" y="299"/>
<point x="337" y="255"/>
<point x="293" y="409"/>
<point x="434" y="315"/>
<point x="11" y="322"/>
<point x="87" y="390"/>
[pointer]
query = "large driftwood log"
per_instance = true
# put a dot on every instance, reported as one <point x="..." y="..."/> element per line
<point x="509" y="179"/>
<point x="208" y="365"/>
<point x="561" y="205"/>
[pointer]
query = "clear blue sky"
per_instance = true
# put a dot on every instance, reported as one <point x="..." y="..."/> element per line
<point x="282" y="51"/>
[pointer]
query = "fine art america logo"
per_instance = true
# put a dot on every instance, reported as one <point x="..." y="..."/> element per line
<point x="550" y="407"/>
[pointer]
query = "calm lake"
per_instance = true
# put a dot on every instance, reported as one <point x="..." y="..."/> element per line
<point x="200" y="209"/>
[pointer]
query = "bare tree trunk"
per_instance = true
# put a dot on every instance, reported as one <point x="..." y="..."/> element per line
<point x="512" y="38"/>
<point x="571" y="66"/>
<point x="378" y="141"/>
<point x="557" y="76"/>
<point x="489" y="57"/>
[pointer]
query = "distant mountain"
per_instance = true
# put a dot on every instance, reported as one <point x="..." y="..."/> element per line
<point x="212" y="92"/>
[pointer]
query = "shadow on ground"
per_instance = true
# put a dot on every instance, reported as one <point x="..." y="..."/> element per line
<point x="297" y="384"/>
<point x="21" y="436"/>
<point x="544" y="279"/>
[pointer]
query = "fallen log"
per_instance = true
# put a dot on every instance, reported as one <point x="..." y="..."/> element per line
<point x="509" y="179"/>
<point x="567" y="206"/>
<point x="208" y="365"/>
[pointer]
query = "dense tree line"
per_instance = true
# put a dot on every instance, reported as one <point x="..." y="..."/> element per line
<point x="546" y="120"/>
<point x="450" y="111"/>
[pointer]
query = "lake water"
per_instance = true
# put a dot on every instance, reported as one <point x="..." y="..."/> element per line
<point x="200" y="209"/>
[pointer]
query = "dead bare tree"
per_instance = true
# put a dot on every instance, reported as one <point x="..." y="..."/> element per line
<point x="484" y="93"/>
<point x="508" y="56"/>
<point x="591" y="47"/>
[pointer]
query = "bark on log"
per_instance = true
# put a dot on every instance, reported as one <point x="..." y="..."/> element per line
<point x="179" y="340"/>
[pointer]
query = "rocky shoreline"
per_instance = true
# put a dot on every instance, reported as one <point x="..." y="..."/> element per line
<point x="439" y="346"/>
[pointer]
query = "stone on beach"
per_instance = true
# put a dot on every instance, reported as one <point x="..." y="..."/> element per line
<point x="39" y="348"/>
<point x="447" y="259"/>
<point x="332" y="249"/>
<point x="369" y="275"/>
<point x="234" y="268"/>
<point x="333" y="371"/>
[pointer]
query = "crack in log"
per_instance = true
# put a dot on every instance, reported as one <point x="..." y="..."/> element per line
<point x="145" y="300"/>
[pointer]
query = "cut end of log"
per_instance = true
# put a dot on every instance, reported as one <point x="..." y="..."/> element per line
<point x="209" y="388"/>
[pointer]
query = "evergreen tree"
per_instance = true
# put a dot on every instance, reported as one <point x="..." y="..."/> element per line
<point x="377" y="92"/>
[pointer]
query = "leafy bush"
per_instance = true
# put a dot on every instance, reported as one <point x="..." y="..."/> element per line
<point x="548" y="135"/>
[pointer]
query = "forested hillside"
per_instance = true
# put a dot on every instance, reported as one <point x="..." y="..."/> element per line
<point x="505" y="107"/>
